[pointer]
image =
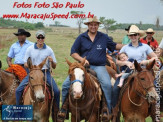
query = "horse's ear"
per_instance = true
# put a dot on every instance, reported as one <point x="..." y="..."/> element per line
<point x="83" y="62"/>
<point x="150" y="65"/>
<point x="68" y="62"/>
<point x="29" y="63"/>
<point x="0" y="64"/>
<point x="137" y="66"/>
<point x="42" y="63"/>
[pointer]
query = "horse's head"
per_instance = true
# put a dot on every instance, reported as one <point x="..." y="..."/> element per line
<point x="77" y="76"/>
<point x="145" y="82"/>
<point x="37" y="80"/>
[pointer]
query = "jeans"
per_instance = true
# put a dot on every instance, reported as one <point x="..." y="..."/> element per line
<point x="24" y="82"/>
<point x="116" y="91"/>
<point x="104" y="80"/>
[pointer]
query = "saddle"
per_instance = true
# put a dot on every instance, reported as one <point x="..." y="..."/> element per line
<point x="18" y="71"/>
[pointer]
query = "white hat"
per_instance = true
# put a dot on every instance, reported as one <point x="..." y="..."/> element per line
<point x="134" y="29"/>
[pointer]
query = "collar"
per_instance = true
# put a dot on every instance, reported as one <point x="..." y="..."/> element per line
<point x="26" y="41"/>
<point x="139" y="44"/>
<point x="35" y="46"/>
<point x="145" y="38"/>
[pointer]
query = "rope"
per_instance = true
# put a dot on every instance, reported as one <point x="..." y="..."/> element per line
<point x="51" y="90"/>
<point x="132" y="101"/>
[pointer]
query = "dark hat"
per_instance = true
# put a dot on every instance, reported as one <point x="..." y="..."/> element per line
<point x="22" y="32"/>
<point x="127" y="29"/>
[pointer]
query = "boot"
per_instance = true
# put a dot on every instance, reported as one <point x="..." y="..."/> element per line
<point x="63" y="113"/>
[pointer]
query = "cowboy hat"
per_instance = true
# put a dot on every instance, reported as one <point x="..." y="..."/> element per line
<point x="22" y="32"/>
<point x="134" y="29"/>
<point x="94" y="19"/>
<point x="150" y="30"/>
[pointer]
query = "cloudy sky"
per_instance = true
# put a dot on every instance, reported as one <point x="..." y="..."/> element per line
<point x="123" y="11"/>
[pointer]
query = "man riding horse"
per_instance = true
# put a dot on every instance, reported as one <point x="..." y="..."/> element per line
<point x="38" y="52"/>
<point x="92" y="44"/>
<point x="18" y="49"/>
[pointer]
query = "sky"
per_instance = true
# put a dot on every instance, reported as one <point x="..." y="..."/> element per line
<point x="123" y="11"/>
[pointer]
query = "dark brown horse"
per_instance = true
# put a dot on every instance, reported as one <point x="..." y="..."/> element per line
<point x="138" y="95"/>
<point x="84" y="94"/>
<point x="36" y="94"/>
<point x="8" y="85"/>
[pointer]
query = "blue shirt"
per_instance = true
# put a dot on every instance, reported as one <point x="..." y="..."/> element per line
<point x="16" y="51"/>
<point x="138" y="53"/>
<point x="37" y="55"/>
<point x="125" y="68"/>
<point x="95" y="51"/>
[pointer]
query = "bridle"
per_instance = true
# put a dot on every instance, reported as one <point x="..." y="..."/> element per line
<point x="32" y="86"/>
<point x="140" y="94"/>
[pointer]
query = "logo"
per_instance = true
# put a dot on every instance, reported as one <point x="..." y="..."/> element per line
<point x="17" y="112"/>
<point x="99" y="47"/>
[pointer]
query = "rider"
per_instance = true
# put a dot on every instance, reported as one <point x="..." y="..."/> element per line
<point x="149" y="39"/>
<point x="18" y="49"/>
<point x="38" y="52"/>
<point x="92" y="44"/>
<point x="135" y="50"/>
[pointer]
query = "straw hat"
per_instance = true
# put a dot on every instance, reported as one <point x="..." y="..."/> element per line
<point x="134" y="29"/>
<point x="150" y="30"/>
<point x="94" y="19"/>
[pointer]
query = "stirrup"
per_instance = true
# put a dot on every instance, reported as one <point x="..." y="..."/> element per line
<point x="105" y="115"/>
<point x="61" y="116"/>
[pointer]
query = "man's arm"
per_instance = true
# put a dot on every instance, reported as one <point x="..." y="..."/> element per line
<point x="9" y="61"/>
<point x="119" y="46"/>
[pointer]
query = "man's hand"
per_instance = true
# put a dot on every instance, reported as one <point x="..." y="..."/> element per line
<point x="130" y="65"/>
<point x="50" y="58"/>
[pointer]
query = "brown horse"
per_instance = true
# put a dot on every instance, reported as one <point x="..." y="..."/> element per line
<point x="36" y="94"/>
<point x="84" y="94"/>
<point x="8" y="85"/>
<point x="138" y="95"/>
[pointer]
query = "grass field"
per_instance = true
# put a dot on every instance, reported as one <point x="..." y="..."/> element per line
<point x="60" y="40"/>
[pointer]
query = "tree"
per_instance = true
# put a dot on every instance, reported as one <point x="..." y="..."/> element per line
<point x="108" y="23"/>
<point x="39" y="25"/>
<point x="79" y="15"/>
<point x="57" y="23"/>
<point x="157" y="22"/>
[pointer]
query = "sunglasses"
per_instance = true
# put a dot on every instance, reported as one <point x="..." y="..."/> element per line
<point x="40" y="37"/>
<point x="134" y="34"/>
<point x="149" y="32"/>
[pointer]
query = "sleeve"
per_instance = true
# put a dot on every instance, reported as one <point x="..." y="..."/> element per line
<point x="76" y="46"/>
<point x="11" y="52"/>
<point x="149" y="50"/>
<point x="123" y="49"/>
<point x="161" y="44"/>
<point x="27" y="54"/>
<point x="53" y="56"/>
<point x="110" y="44"/>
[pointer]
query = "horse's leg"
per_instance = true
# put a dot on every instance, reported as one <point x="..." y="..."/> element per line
<point x="93" y="117"/>
<point x="75" y="118"/>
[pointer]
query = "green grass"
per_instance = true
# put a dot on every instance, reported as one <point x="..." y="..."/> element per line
<point x="60" y="40"/>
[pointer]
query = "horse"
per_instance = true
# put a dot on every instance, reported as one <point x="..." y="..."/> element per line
<point x="8" y="85"/>
<point x="36" y="93"/>
<point x="139" y="94"/>
<point x="84" y="94"/>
